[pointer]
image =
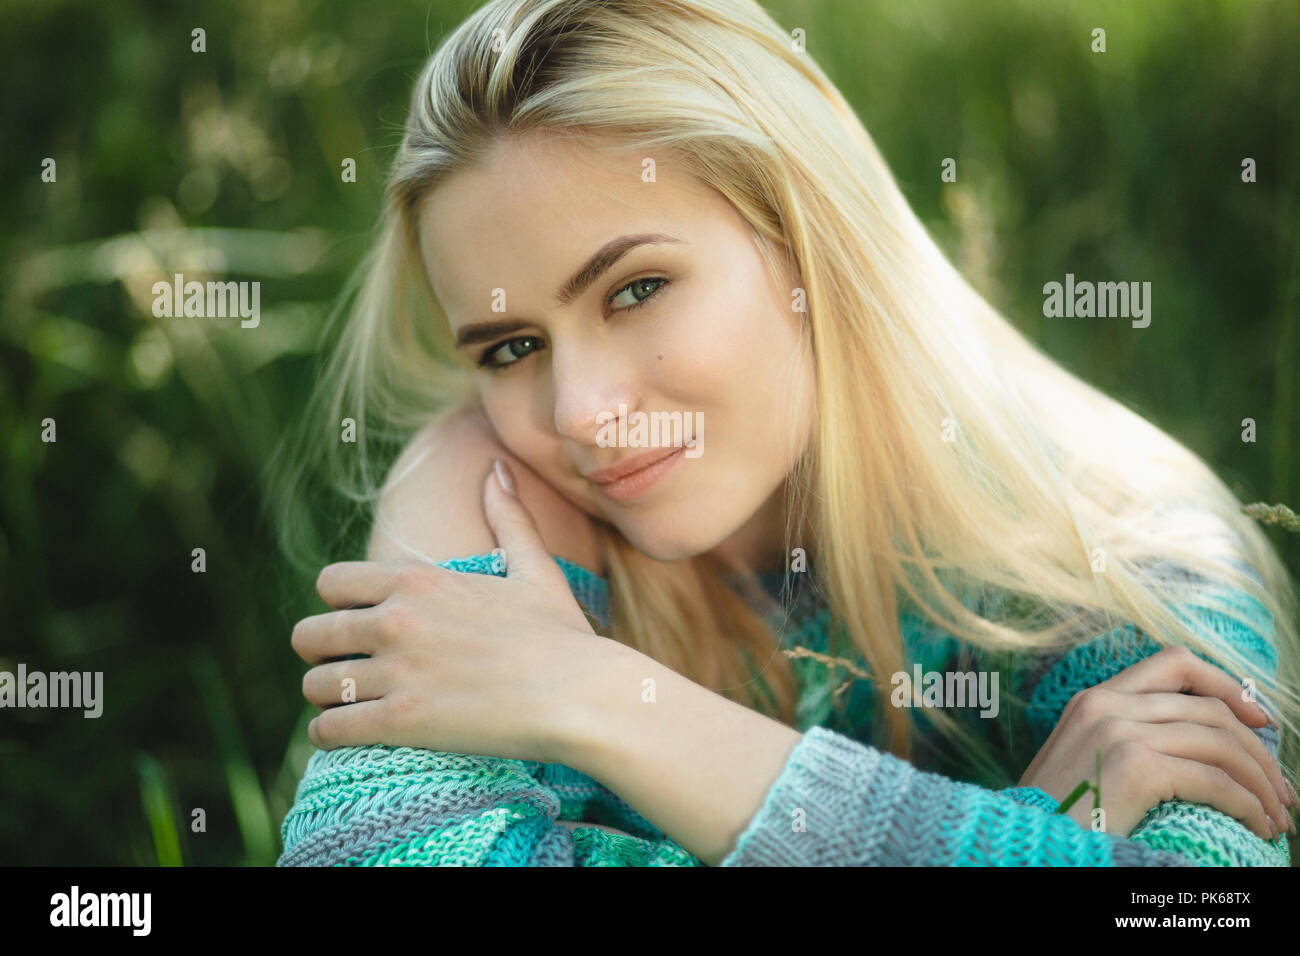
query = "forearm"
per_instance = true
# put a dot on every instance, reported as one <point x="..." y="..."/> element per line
<point x="692" y="762"/>
<point x="707" y="771"/>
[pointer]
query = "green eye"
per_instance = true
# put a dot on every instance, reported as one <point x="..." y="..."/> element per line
<point x="509" y="352"/>
<point x="498" y="358"/>
<point x="637" y="290"/>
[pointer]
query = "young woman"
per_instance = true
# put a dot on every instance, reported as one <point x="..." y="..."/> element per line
<point x="608" y="214"/>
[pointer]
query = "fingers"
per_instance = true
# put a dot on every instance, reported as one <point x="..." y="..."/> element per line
<point x="334" y="634"/>
<point x="1216" y="747"/>
<point x="515" y="529"/>
<point x="1213" y="712"/>
<point x="351" y="584"/>
<point x="1190" y="780"/>
<point x="1177" y="670"/>
<point x="350" y="726"/>
<point x="346" y="682"/>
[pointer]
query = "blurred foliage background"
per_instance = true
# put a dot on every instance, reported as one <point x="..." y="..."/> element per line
<point x="226" y="164"/>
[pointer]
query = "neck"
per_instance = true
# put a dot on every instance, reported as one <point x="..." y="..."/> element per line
<point x="759" y="544"/>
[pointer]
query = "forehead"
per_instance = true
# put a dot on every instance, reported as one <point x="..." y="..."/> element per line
<point x="538" y="207"/>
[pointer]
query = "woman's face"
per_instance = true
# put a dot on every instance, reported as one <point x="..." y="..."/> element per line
<point x="576" y="348"/>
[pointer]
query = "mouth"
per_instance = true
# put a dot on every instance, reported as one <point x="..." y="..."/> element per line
<point x="629" y="479"/>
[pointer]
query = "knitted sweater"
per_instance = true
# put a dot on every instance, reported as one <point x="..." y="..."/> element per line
<point x="383" y="806"/>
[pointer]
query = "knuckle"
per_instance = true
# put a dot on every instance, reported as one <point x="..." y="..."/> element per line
<point x="393" y="620"/>
<point x="1094" y="703"/>
<point x="413" y="577"/>
<point x="1069" y="711"/>
<point x="1178" y="654"/>
<point x="1077" y="699"/>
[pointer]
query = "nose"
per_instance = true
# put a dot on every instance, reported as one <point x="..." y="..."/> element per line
<point x="586" y="383"/>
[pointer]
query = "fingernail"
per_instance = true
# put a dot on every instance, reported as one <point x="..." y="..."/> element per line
<point x="1272" y="827"/>
<point x="1290" y="792"/>
<point x="506" y="479"/>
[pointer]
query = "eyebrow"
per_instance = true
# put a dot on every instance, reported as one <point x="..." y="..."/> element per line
<point x="603" y="259"/>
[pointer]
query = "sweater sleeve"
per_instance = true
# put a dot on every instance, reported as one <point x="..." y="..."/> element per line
<point x="840" y="802"/>
<point x="1195" y="831"/>
<point x="405" y="806"/>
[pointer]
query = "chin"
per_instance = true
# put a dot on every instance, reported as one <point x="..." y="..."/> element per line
<point x="662" y="544"/>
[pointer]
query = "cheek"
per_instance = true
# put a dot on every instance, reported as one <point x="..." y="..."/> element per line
<point x="770" y="385"/>
<point x="514" y="419"/>
<point x="712" y="343"/>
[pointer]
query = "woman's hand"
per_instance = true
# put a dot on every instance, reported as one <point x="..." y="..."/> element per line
<point x="461" y="663"/>
<point x="1160" y="744"/>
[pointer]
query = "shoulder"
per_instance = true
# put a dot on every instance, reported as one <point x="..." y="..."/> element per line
<point x="431" y="505"/>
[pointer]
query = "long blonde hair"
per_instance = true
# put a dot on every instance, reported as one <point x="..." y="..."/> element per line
<point x="953" y="460"/>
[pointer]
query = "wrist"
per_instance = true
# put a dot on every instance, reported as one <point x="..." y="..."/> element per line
<point x="588" y="706"/>
<point x="692" y="762"/>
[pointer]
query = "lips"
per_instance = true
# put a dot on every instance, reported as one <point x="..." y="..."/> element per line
<point x="612" y="473"/>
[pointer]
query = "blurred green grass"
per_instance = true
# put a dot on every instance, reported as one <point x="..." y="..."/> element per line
<point x="1123" y="165"/>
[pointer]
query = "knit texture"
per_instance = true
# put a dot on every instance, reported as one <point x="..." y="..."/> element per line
<point x="837" y="801"/>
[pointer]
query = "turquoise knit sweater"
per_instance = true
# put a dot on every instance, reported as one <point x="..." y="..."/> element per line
<point x="382" y="806"/>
